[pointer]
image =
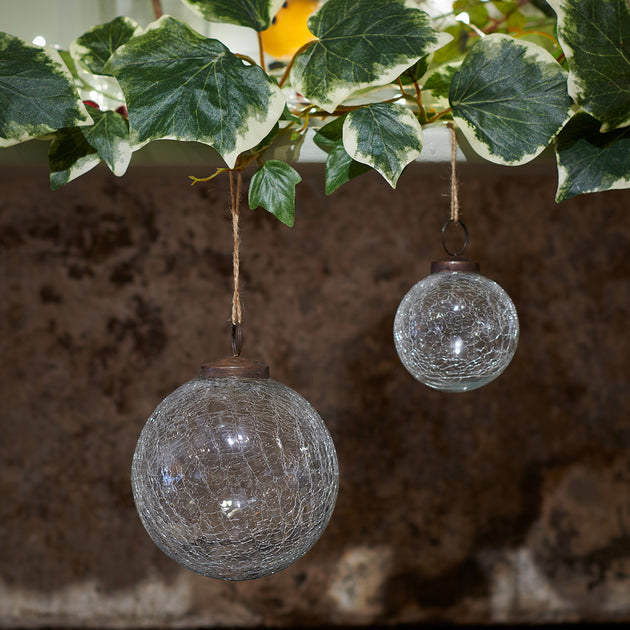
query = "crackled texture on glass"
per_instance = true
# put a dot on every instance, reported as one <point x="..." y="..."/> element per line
<point x="456" y="331"/>
<point x="235" y="478"/>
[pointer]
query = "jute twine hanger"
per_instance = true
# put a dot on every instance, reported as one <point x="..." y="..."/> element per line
<point x="237" y="311"/>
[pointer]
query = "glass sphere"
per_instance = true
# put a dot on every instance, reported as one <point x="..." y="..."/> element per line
<point x="456" y="331"/>
<point x="235" y="478"/>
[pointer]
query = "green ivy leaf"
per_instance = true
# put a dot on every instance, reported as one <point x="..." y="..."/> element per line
<point x="542" y="39"/>
<point x="415" y="72"/>
<point x="361" y="43"/>
<point x="109" y="135"/>
<point x="285" y="147"/>
<point x="457" y="48"/>
<point x="477" y="12"/>
<point x="439" y="82"/>
<point x="273" y="187"/>
<point x="506" y="6"/>
<point x="94" y="48"/>
<point x="256" y="14"/>
<point x="341" y="168"/>
<point x="68" y="61"/>
<point x="516" y="22"/>
<point x="509" y="98"/>
<point x="591" y="161"/>
<point x="384" y="136"/>
<point x="290" y="116"/>
<point x="595" y="38"/>
<point x="268" y="140"/>
<point x="37" y="93"/>
<point x="180" y="85"/>
<point x="330" y="135"/>
<point x="543" y="7"/>
<point x="69" y="156"/>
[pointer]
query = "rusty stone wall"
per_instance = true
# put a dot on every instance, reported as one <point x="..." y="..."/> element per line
<point x="507" y="504"/>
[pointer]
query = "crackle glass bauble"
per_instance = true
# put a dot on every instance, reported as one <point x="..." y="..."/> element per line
<point x="456" y="330"/>
<point x="235" y="477"/>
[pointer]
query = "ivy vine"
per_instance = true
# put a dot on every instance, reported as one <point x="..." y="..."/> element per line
<point x="514" y="76"/>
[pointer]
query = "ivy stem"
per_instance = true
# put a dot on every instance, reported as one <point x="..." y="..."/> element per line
<point x="287" y="70"/>
<point x="340" y="111"/>
<point x="157" y="9"/>
<point x="304" y="126"/>
<point x="245" y="58"/>
<point x="439" y="115"/>
<point x="261" y="51"/>
<point x="244" y="161"/>
<point x="421" y="111"/>
<point x="422" y="114"/>
<point x="196" y="180"/>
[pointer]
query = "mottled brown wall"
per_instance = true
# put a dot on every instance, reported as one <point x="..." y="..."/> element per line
<point x="506" y="504"/>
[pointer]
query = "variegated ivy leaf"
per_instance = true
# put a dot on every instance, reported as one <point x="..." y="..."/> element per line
<point x="70" y="156"/>
<point x="591" y="161"/>
<point x="361" y="43"/>
<point x="256" y="14"/>
<point x="109" y="135"/>
<point x="180" y="85"/>
<point x="94" y="48"/>
<point x="76" y="150"/>
<point x="384" y="136"/>
<point x="595" y="38"/>
<point x="509" y="98"/>
<point x="273" y="187"/>
<point x="37" y="93"/>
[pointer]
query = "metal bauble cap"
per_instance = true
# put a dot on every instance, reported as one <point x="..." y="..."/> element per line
<point x="234" y="366"/>
<point x="455" y="263"/>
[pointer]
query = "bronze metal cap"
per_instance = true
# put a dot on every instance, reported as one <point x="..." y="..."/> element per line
<point x="234" y="366"/>
<point x="456" y="263"/>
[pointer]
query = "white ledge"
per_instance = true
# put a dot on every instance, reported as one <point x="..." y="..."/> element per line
<point x="167" y="152"/>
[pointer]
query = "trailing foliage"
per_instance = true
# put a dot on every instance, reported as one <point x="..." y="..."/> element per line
<point x="515" y="76"/>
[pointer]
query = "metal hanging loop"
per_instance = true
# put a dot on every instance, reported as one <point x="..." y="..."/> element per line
<point x="237" y="340"/>
<point x="445" y="227"/>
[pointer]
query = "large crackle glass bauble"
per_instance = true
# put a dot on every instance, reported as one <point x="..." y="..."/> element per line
<point x="456" y="330"/>
<point x="235" y="477"/>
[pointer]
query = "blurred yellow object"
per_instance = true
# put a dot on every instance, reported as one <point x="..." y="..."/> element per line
<point x="289" y="31"/>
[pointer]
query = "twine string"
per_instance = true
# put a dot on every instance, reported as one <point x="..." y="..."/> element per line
<point x="454" y="182"/>
<point x="454" y="217"/>
<point x="235" y="201"/>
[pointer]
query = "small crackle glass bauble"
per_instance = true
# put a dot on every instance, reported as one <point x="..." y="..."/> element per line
<point x="456" y="330"/>
<point x="235" y="475"/>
